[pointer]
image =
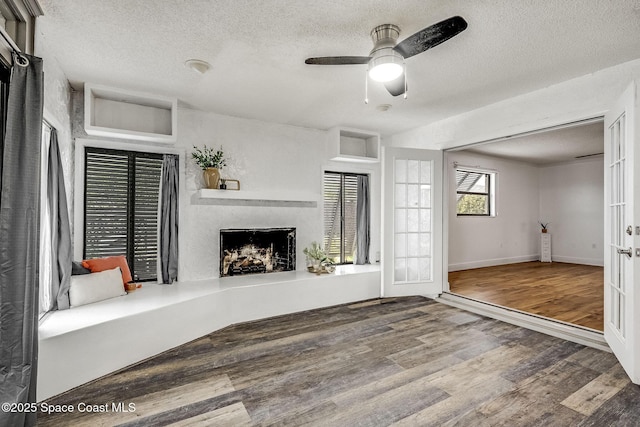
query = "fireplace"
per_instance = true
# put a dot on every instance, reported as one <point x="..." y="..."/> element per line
<point x="257" y="250"/>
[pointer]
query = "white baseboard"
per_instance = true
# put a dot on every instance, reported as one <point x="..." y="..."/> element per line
<point x="492" y="262"/>
<point x="574" y="260"/>
<point x="525" y="258"/>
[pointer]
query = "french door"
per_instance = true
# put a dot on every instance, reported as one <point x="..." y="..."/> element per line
<point x="412" y="222"/>
<point x="622" y="230"/>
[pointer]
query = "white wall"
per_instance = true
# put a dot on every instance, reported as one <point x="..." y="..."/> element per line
<point x="572" y="200"/>
<point x="263" y="156"/>
<point x="568" y="195"/>
<point x="512" y="235"/>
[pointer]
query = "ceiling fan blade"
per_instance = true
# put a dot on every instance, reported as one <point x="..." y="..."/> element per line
<point x="338" y="60"/>
<point x="431" y="36"/>
<point x="396" y="87"/>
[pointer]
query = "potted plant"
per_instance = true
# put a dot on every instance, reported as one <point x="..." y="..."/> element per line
<point x="210" y="161"/>
<point x="544" y="226"/>
<point x="315" y="257"/>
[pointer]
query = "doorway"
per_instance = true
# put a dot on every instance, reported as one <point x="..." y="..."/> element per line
<point x="500" y="195"/>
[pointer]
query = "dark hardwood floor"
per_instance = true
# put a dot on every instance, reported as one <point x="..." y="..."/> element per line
<point x="406" y="362"/>
<point x="571" y="293"/>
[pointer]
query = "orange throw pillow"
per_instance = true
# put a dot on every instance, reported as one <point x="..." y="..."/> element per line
<point x="97" y="265"/>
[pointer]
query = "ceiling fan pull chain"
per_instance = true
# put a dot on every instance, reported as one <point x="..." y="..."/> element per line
<point x="366" y="87"/>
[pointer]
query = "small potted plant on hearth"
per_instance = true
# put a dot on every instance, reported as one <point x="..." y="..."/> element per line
<point x="210" y="161"/>
<point x="316" y="256"/>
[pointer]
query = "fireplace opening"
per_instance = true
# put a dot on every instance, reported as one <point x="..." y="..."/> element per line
<point x="257" y="250"/>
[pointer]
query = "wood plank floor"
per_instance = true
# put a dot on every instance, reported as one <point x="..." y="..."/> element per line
<point x="402" y="362"/>
<point x="568" y="292"/>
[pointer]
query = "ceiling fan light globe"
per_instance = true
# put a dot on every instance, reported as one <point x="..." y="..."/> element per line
<point x="385" y="65"/>
<point x="385" y="72"/>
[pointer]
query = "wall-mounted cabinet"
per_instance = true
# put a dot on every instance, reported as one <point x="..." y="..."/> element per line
<point x="354" y="145"/>
<point x="118" y="113"/>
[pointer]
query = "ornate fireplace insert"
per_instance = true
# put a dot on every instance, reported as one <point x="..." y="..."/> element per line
<point x="257" y="250"/>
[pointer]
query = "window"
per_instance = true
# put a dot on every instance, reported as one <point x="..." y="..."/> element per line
<point x="44" y="275"/>
<point x="121" y="208"/>
<point x="475" y="193"/>
<point x="340" y="201"/>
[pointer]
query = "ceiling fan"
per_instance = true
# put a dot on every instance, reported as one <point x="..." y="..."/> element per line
<point x="386" y="59"/>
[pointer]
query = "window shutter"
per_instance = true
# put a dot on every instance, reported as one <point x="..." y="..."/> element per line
<point x="106" y="203"/>
<point x="145" y="225"/>
<point x="340" y="215"/>
<point x="121" y="208"/>
<point x="350" y="200"/>
<point x="332" y="214"/>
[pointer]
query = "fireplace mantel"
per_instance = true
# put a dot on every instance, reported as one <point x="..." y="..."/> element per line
<point x="254" y="198"/>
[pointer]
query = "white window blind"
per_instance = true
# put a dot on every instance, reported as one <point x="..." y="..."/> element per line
<point x="473" y="193"/>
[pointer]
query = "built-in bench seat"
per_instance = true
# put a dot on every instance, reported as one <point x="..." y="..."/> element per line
<point x="87" y="342"/>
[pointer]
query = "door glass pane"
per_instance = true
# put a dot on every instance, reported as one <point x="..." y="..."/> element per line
<point x="425" y="172"/>
<point x="413" y="268"/>
<point x="401" y="170"/>
<point x="401" y="195"/>
<point x="425" y="196"/>
<point x="413" y="221"/>
<point x="425" y="244"/>
<point x="425" y="269"/>
<point x="413" y="171"/>
<point x="401" y="245"/>
<point x="413" y="195"/>
<point x="400" y="270"/>
<point x="425" y="219"/>
<point x="413" y="244"/>
<point x="401" y="220"/>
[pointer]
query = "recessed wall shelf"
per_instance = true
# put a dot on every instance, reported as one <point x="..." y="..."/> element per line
<point x="119" y="113"/>
<point x="254" y="198"/>
<point x="354" y="145"/>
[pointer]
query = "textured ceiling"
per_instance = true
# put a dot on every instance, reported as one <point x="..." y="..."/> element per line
<point x="554" y="146"/>
<point x="257" y="51"/>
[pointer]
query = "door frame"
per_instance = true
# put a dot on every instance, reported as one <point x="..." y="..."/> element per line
<point x="505" y="312"/>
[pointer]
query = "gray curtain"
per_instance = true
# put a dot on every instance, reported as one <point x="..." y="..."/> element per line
<point x="169" y="219"/>
<point x="363" y="221"/>
<point x="60" y="228"/>
<point x="19" y="239"/>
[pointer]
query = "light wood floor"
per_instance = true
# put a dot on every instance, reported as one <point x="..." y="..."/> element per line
<point x="402" y="362"/>
<point x="569" y="292"/>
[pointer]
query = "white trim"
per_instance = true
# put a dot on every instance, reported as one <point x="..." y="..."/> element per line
<point x="493" y="262"/>
<point x="477" y="169"/>
<point x="582" y="261"/>
<point x="563" y="330"/>
<point x="535" y="129"/>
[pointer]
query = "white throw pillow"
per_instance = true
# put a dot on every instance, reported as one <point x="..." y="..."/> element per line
<point x="94" y="287"/>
